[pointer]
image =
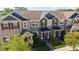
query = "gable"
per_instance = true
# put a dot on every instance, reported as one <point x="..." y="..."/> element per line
<point x="73" y="15"/>
<point x="9" y="18"/>
<point x="19" y="16"/>
<point x="49" y="16"/>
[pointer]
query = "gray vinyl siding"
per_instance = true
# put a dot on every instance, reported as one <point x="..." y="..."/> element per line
<point x="34" y="28"/>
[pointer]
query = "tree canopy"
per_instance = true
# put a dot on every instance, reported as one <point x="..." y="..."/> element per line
<point x="72" y="39"/>
<point x="15" y="44"/>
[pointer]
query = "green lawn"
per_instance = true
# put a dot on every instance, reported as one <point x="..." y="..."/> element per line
<point x="42" y="48"/>
<point x="59" y="46"/>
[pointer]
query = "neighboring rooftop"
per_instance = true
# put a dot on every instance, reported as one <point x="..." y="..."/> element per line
<point x="73" y="15"/>
<point x="36" y="15"/>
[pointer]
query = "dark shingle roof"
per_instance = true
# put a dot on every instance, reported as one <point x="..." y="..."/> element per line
<point x="19" y="16"/>
<point x="9" y="18"/>
<point x="44" y="29"/>
<point x="49" y="16"/>
<point x="73" y="15"/>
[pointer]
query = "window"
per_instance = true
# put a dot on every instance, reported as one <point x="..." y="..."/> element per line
<point x="43" y="22"/>
<point x="15" y="25"/>
<point x="5" y="26"/>
<point x="34" y="24"/>
<point x="55" y="21"/>
<point x="24" y="24"/>
<point x="61" y="22"/>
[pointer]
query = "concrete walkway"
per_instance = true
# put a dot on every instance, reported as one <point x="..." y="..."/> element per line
<point x="49" y="45"/>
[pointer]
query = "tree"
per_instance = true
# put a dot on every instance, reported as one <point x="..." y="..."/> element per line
<point x="72" y="39"/>
<point x="15" y="44"/>
<point x="7" y="10"/>
<point x="77" y="9"/>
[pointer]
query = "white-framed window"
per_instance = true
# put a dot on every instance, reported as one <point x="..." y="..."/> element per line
<point x="61" y="22"/>
<point x="24" y="24"/>
<point x="34" y="24"/>
<point x="15" y="25"/>
<point x="55" y="21"/>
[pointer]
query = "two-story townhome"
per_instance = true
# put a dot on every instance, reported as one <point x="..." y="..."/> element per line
<point x="74" y="21"/>
<point x="44" y="23"/>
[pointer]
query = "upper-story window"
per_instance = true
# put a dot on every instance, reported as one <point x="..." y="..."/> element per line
<point x="55" y="21"/>
<point x="34" y="23"/>
<point x="43" y="22"/>
<point x="61" y="22"/>
<point x="49" y="16"/>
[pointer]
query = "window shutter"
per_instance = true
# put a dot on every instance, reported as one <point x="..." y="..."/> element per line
<point x="18" y="25"/>
<point x="2" y="26"/>
<point x="9" y="26"/>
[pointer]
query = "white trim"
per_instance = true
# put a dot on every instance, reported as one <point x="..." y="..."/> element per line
<point x="12" y="15"/>
<point x="6" y="15"/>
<point x="15" y="17"/>
<point x="75" y="17"/>
<point x="35" y="20"/>
<point x="41" y="35"/>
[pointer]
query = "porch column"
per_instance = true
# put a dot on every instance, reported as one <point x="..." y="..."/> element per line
<point x="59" y="33"/>
<point x="54" y="33"/>
<point x="48" y="34"/>
<point x="41" y="35"/>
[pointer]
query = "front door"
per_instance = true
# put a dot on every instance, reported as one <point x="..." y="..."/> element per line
<point x="57" y="33"/>
<point x="45" y="35"/>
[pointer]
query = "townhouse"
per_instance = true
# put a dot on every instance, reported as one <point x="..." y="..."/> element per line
<point x="74" y="21"/>
<point x="44" y="23"/>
